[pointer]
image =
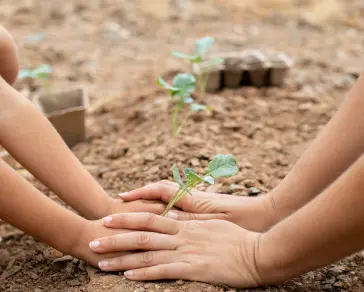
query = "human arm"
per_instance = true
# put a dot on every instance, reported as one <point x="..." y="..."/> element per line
<point x="338" y="145"/>
<point x="325" y="230"/>
<point x="30" y="138"/>
<point x="26" y="208"/>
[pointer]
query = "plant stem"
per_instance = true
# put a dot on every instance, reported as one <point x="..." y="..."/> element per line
<point x="171" y="203"/>
<point x="179" y="195"/>
<point x="183" y="122"/>
<point x="175" y="121"/>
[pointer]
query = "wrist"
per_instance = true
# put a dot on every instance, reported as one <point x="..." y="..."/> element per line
<point x="273" y="264"/>
<point x="79" y="240"/>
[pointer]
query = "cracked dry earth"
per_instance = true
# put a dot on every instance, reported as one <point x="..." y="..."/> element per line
<point x="128" y="143"/>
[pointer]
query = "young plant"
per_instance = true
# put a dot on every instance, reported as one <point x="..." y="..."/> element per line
<point x="221" y="166"/>
<point x="41" y="73"/>
<point x="200" y="67"/>
<point x="180" y="95"/>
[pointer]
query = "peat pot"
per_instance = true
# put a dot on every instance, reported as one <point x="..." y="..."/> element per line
<point x="66" y="111"/>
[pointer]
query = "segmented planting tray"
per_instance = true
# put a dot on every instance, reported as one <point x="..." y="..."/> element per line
<point x="248" y="68"/>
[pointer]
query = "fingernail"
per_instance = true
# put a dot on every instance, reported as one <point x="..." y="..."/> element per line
<point x="123" y="194"/>
<point x="103" y="264"/>
<point x="107" y="219"/>
<point x="129" y="273"/>
<point x="172" y="215"/>
<point x="95" y="244"/>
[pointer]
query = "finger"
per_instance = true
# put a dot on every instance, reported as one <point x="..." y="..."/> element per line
<point x="163" y="191"/>
<point x="152" y="206"/>
<point x="142" y="221"/>
<point x="159" y="272"/>
<point x="187" y="216"/>
<point x="140" y="240"/>
<point x="137" y="260"/>
<point x="154" y="191"/>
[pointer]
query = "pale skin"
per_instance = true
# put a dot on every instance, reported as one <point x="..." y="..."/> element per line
<point x="29" y="137"/>
<point x="314" y="217"/>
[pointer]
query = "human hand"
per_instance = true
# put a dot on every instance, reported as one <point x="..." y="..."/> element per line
<point x="90" y="231"/>
<point x="116" y="206"/>
<point x="213" y="251"/>
<point x="9" y="62"/>
<point x="252" y="213"/>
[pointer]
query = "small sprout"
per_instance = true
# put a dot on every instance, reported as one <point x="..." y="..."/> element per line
<point x="180" y="91"/>
<point x="221" y="166"/>
<point x="197" y="59"/>
<point x="41" y="73"/>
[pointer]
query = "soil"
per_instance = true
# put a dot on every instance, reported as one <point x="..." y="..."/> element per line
<point x="118" y="50"/>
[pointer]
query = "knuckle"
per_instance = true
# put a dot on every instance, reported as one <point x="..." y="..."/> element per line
<point x="111" y="241"/>
<point x="163" y="272"/>
<point x="148" y="257"/>
<point x="191" y="216"/>
<point x="164" y="182"/>
<point x="150" y="219"/>
<point x="143" y="238"/>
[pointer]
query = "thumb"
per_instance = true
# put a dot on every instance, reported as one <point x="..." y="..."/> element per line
<point x="163" y="191"/>
<point x="187" y="216"/>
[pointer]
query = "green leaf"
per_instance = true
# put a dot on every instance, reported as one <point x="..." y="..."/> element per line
<point x="196" y="107"/>
<point x="209" y="179"/>
<point x="203" y="45"/>
<point x="165" y="85"/>
<point x="191" y="58"/>
<point x="186" y="84"/>
<point x="177" y="177"/>
<point x="25" y="73"/>
<point x="188" y="100"/>
<point x="222" y="166"/>
<point x="42" y="71"/>
<point x="214" y="62"/>
<point x="192" y="177"/>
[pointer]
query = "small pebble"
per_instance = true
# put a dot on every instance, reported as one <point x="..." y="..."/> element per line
<point x="252" y="192"/>
<point x="180" y="282"/>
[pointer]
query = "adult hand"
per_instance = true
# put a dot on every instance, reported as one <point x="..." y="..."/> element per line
<point x="252" y="213"/>
<point x="213" y="251"/>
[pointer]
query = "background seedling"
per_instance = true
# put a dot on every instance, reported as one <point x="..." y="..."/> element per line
<point x="199" y="66"/>
<point x="40" y="73"/>
<point x="221" y="166"/>
<point x="184" y="85"/>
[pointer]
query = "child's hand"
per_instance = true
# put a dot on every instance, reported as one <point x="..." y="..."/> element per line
<point x="92" y="230"/>
<point x="254" y="214"/>
<point x="9" y="63"/>
<point x="150" y="206"/>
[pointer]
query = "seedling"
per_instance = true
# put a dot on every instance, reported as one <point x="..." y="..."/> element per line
<point x="180" y="95"/>
<point x="221" y="166"/>
<point x="200" y="67"/>
<point x="41" y="73"/>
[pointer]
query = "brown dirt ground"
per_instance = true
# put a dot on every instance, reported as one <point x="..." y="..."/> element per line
<point x="118" y="50"/>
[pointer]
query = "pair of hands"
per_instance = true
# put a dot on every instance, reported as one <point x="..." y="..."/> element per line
<point x="190" y="248"/>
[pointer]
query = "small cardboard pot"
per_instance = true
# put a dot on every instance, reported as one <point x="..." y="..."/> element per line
<point x="66" y="111"/>
<point x="233" y="73"/>
<point x="258" y="76"/>
<point x="213" y="81"/>
<point x="232" y="78"/>
<point x="213" y="75"/>
<point x="255" y="63"/>
<point x="280" y="66"/>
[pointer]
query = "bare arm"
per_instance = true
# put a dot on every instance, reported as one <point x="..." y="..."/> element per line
<point x="339" y="144"/>
<point x="327" y="229"/>
<point x="26" y="208"/>
<point x="30" y="138"/>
